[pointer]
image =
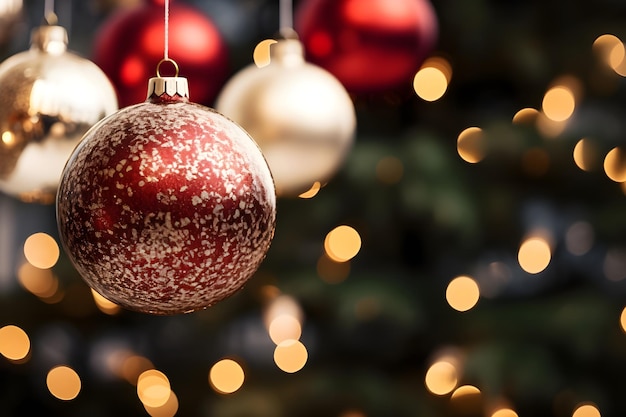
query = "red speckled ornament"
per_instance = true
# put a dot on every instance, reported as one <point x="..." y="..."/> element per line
<point x="371" y="46"/>
<point x="166" y="206"/>
<point x="128" y="44"/>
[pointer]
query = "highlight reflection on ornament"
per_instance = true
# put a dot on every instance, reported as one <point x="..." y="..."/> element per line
<point x="371" y="46"/>
<point x="50" y="98"/>
<point x="166" y="206"/>
<point x="129" y="43"/>
<point x="299" y="114"/>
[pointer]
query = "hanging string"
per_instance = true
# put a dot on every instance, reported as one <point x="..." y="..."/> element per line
<point x="286" y="18"/>
<point x="167" y="31"/>
<point x="48" y="12"/>
<point x="166" y="42"/>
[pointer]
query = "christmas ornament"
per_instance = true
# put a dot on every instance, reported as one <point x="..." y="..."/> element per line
<point x="371" y="46"/>
<point x="126" y="47"/>
<point x="50" y="98"/>
<point x="166" y="206"/>
<point x="299" y="114"/>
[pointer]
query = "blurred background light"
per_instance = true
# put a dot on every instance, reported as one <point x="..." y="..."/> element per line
<point x="14" y="343"/>
<point x="342" y="243"/>
<point x="290" y="356"/>
<point x="462" y="293"/>
<point x="63" y="382"/>
<point x="153" y="388"/>
<point x="226" y="376"/>
<point x="41" y="250"/>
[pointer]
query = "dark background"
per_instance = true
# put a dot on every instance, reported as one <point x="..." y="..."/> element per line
<point x="544" y="343"/>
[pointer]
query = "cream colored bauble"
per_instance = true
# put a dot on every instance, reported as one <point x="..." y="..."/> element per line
<point x="299" y="114"/>
<point x="50" y="98"/>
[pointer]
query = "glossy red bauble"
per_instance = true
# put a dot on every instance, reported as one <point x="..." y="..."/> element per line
<point x="166" y="206"/>
<point x="130" y="43"/>
<point x="371" y="46"/>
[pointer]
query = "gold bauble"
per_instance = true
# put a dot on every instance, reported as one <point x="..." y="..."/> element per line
<point x="50" y="98"/>
<point x="299" y="114"/>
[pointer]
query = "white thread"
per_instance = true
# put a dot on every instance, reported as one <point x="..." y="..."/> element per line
<point x="286" y="16"/>
<point x="48" y="11"/>
<point x="167" y="30"/>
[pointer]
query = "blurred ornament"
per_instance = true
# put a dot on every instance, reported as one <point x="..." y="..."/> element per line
<point x="299" y="114"/>
<point x="50" y="98"/>
<point x="10" y="13"/>
<point x="128" y="45"/>
<point x="371" y="46"/>
<point x="166" y="206"/>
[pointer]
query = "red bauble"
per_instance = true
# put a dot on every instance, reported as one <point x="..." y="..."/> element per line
<point x="130" y="43"/>
<point x="166" y="206"/>
<point x="371" y="46"/>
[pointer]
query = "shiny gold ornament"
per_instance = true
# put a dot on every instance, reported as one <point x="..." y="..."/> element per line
<point x="50" y="98"/>
<point x="299" y="114"/>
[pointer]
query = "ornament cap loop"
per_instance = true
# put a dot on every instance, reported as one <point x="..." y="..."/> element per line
<point x="158" y="68"/>
<point x="173" y="87"/>
<point x="50" y="39"/>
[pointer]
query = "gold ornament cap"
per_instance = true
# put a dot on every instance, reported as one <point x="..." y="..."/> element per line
<point x="170" y="88"/>
<point x="51" y="39"/>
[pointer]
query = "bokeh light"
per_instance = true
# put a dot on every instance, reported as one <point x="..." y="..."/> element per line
<point x="312" y="192"/>
<point x="169" y="409"/>
<point x="430" y="83"/>
<point x="586" y="410"/>
<point x="133" y="366"/>
<point x="526" y="116"/>
<point x="504" y="412"/>
<point x="40" y="282"/>
<point x="586" y="154"/>
<point x="104" y="305"/>
<point x="470" y="145"/>
<point x="282" y="305"/>
<point x="612" y="52"/>
<point x="226" y="376"/>
<point x="14" y="343"/>
<point x="604" y="46"/>
<point x="153" y="388"/>
<point x="622" y="319"/>
<point x="534" y="255"/>
<point x="615" y="165"/>
<point x="290" y="356"/>
<point x="467" y="400"/>
<point x="549" y="128"/>
<point x="63" y="383"/>
<point x="342" y="243"/>
<point x="41" y="250"/>
<point x="465" y="390"/>
<point x="559" y="103"/>
<point x="462" y="293"/>
<point x="284" y="327"/>
<point x="441" y="378"/>
<point x="261" y="54"/>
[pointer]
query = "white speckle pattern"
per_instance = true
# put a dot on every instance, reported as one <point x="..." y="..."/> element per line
<point x="166" y="207"/>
